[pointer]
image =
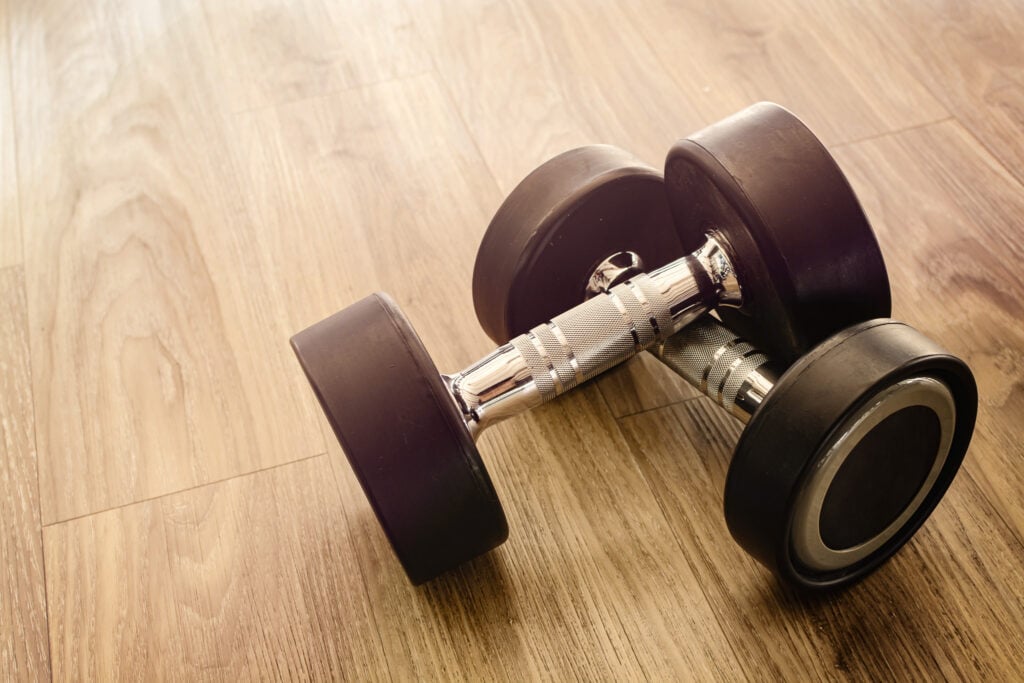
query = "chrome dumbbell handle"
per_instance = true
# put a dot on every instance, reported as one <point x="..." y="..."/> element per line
<point x="587" y="340"/>
<point x="607" y="329"/>
<point x="721" y="365"/>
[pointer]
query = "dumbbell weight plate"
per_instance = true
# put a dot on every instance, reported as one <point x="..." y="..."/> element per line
<point x="403" y="435"/>
<point x="849" y="454"/>
<point x="807" y="258"/>
<point x="917" y="382"/>
<point x="557" y="225"/>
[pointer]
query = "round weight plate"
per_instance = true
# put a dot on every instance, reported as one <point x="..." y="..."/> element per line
<point x="807" y="259"/>
<point x="850" y="453"/>
<point x="557" y="226"/>
<point x="403" y="436"/>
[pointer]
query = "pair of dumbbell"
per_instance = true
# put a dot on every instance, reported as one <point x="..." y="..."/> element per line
<point x="856" y="424"/>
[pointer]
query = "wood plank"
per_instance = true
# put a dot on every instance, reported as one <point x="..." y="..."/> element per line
<point x="683" y="452"/>
<point x="726" y="55"/>
<point x="159" y="350"/>
<point x="373" y="188"/>
<point x="261" y="574"/>
<point x="10" y="226"/>
<point x="931" y="612"/>
<point x="569" y="76"/>
<point x="275" y="51"/>
<point x="644" y="78"/>
<point x="590" y="584"/>
<point x="969" y="54"/>
<point x="24" y="650"/>
<point x="199" y="182"/>
<point x="948" y="218"/>
<point x="244" y="579"/>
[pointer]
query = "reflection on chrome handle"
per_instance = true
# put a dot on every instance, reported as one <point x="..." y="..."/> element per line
<point x="723" y="366"/>
<point x="612" y="326"/>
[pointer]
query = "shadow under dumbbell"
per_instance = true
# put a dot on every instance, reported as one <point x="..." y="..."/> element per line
<point x="865" y="631"/>
<point x="481" y="582"/>
<point x="473" y="605"/>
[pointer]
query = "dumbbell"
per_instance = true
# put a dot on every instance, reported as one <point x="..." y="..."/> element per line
<point x="775" y="239"/>
<point x="844" y="454"/>
<point x="846" y="451"/>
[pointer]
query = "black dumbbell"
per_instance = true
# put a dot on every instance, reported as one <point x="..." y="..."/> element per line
<point x="845" y="453"/>
<point x="790" y="254"/>
<point x="758" y="180"/>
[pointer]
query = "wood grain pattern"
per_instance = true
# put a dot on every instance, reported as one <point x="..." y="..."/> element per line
<point x="589" y="585"/>
<point x="725" y="55"/>
<point x="918" y="617"/>
<point x="10" y="227"/>
<point x="159" y="359"/>
<point x="643" y="384"/>
<point x="302" y="49"/>
<point x="375" y="188"/>
<point x="970" y="56"/>
<point x="951" y="236"/>
<point x="569" y="76"/>
<point x="24" y="653"/>
<point x="250" y="578"/>
<point x="186" y="183"/>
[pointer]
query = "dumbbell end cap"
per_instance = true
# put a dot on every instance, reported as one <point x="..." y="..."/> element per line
<point x="808" y="261"/>
<point x="557" y="226"/>
<point x="403" y="436"/>
<point x="849" y="454"/>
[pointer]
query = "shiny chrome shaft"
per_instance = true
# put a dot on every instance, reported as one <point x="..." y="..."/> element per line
<point x="607" y="329"/>
<point x="721" y="365"/>
<point x="494" y="388"/>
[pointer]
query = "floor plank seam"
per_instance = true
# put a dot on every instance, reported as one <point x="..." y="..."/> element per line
<point x="719" y="618"/>
<point x="969" y="129"/>
<point x="167" y="494"/>
<point x="204" y="18"/>
<point x="666" y="67"/>
<point x="469" y="131"/>
<point x="647" y="484"/>
<point x="888" y="133"/>
<point x="450" y="97"/>
<point x="661" y="407"/>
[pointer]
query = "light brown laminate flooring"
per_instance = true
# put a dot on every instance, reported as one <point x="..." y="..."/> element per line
<point x="186" y="183"/>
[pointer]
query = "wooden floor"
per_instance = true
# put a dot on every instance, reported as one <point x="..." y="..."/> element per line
<point x="186" y="183"/>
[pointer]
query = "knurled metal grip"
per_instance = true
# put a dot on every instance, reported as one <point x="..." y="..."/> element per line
<point x="721" y="365"/>
<point x="600" y="333"/>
